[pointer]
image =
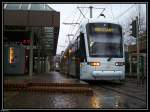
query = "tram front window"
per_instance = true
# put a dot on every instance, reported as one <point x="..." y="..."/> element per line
<point x="105" y="40"/>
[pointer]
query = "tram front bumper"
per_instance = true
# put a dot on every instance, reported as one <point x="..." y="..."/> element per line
<point x="108" y="74"/>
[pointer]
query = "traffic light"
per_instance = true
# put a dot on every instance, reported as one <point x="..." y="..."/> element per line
<point x="134" y="28"/>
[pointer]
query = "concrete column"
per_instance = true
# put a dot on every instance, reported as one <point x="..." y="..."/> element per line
<point x="39" y="51"/>
<point x="47" y="66"/>
<point x="34" y="64"/>
<point x="44" y="64"/>
<point x="51" y="63"/>
<point x="38" y="61"/>
<point x="40" y="70"/>
<point x="41" y="64"/>
<point x="31" y="54"/>
<point x="50" y="66"/>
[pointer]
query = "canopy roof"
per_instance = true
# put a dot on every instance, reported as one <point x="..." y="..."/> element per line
<point x="40" y="16"/>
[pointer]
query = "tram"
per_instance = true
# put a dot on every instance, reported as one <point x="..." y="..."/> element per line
<point x="97" y="53"/>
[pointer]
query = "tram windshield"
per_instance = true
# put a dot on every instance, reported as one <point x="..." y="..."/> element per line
<point x="104" y="40"/>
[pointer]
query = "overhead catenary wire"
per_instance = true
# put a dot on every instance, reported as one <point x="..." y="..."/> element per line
<point x="68" y="28"/>
<point x="132" y="17"/>
<point x="76" y="24"/>
<point x="73" y="28"/>
<point x="112" y="11"/>
<point x="79" y="27"/>
<point x="69" y="16"/>
<point x="85" y="18"/>
<point x="73" y="18"/>
<point x="125" y="11"/>
<point x="80" y="24"/>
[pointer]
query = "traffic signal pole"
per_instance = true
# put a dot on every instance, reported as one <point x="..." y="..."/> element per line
<point x="135" y="33"/>
<point x="90" y="11"/>
<point x="137" y="45"/>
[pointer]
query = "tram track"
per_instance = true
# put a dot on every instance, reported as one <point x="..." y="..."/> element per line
<point x="124" y="93"/>
<point x="115" y="87"/>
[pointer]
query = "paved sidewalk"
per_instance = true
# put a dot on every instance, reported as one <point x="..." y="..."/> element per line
<point x="54" y="77"/>
<point x="61" y="92"/>
<point x="103" y="98"/>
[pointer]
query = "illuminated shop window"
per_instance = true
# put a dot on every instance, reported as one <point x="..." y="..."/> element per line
<point x="11" y="55"/>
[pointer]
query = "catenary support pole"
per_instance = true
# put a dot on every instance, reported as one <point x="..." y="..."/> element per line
<point x="31" y="53"/>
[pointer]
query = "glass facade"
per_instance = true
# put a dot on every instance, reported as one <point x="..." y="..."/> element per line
<point x="13" y="6"/>
<point x="24" y="6"/>
<point x="40" y="7"/>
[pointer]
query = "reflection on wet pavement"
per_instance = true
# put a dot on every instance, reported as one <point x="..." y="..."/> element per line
<point x="96" y="102"/>
<point x="103" y="98"/>
<point x="29" y="100"/>
<point x="105" y="101"/>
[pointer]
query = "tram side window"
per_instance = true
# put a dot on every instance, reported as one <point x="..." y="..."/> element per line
<point x="82" y="48"/>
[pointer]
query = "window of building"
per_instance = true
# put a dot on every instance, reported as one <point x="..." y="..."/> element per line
<point x="11" y="55"/>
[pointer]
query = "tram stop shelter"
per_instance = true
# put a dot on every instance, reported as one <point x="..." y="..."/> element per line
<point x="34" y="27"/>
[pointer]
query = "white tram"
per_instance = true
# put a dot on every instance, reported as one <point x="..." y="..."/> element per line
<point x="97" y="53"/>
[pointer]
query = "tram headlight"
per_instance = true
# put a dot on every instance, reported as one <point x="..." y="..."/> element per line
<point x="119" y="63"/>
<point x="95" y="63"/>
<point x="116" y="64"/>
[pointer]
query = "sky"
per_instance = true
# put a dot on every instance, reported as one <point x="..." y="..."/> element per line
<point x="70" y="14"/>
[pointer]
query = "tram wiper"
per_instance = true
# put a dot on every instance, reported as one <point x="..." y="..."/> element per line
<point x="110" y="57"/>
